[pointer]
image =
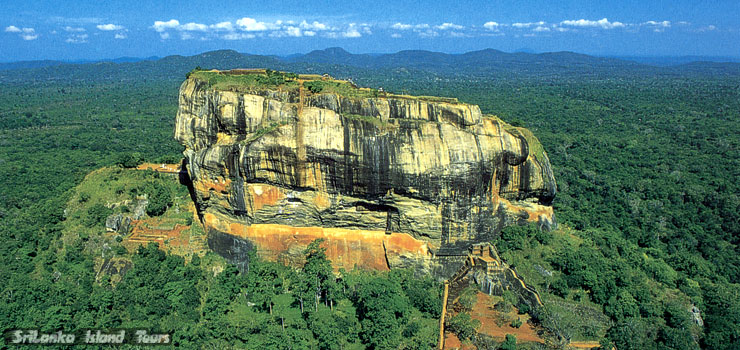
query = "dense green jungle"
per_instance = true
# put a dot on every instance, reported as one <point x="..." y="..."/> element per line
<point x="646" y="159"/>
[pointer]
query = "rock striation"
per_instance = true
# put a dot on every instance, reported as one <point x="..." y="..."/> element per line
<point x="386" y="180"/>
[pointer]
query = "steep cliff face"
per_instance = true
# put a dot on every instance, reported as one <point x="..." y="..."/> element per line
<point x="387" y="181"/>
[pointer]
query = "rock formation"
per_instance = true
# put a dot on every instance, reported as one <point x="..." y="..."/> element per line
<point x="386" y="180"/>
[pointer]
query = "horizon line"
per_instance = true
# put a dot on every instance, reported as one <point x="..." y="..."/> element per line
<point x="518" y="51"/>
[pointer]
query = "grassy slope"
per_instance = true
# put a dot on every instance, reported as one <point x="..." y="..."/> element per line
<point x="117" y="190"/>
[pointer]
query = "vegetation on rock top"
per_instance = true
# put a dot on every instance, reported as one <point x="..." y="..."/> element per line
<point x="257" y="80"/>
<point x="249" y="82"/>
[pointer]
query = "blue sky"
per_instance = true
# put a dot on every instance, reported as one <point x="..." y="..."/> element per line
<point x="45" y="29"/>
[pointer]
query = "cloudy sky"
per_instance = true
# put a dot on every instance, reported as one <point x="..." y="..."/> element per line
<point x="94" y="29"/>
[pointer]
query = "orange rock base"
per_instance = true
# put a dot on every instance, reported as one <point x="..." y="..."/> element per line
<point x="346" y="248"/>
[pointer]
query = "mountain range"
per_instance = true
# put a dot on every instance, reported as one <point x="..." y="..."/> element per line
<point x="339" y="62"/>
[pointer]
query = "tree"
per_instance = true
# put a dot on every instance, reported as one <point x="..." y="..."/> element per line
<point x="516" y="323"/>
<point x="632" y="333"/>
<point x="464" y="326"/>
<point x="263" y="282"/>
<point x="159" y="198"/>
<point x="423" y="292"/>
<point x="96" y="215"/>
<point x="331" y="330"/>
<point x="383" y="308"/>
<point x="129" y="160"/>
<point x="523" y="308"/>
<point x="283" y="310"/>
<point x="221" y="293"/>
<point x="621" y="306"/>
<point x="318" y="273"/>
<point x="509" y="343"/>
<point x="503" y="306"/>
<point x="468" y="298"/>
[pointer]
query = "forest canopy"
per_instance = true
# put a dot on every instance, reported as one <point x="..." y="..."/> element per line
<point x="646" y="165"/>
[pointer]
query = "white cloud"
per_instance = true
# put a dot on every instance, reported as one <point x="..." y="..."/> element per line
<point x="286" y="31"/>
<point x="193" y="27"/>
<point x="658" y="27"/>
<point x="186" y="36"/>
<point x="664" y="24"/>
<point x="317" y="26"/>
<point x="109" y="27"/>
<point x="447" y="25"/>
<point x="120" y="36"/>
<point x="251" y="25"/>
<point x="422" y="29"/>
<point x="25" y="33"/>
<point x="73" y="29"/>
<point x="293" y="31"/>
<point x="527" y="24"/>
<point x="541" y="29"/>
<point x="602" y="23"/>
<point x="355" y="31"/>
<point x="237" y="36"/>
<point x="278" y="29"/>
<point x="161" y="26"/>
<point x="77" y="39"/>
<point x="415" y="27"/>
<point x="428" y="34"/>
<point x="227" y="26"/>
<point x="491" y="25"/>
<point x="455" y="34"/>
<point x="351" y="33"/>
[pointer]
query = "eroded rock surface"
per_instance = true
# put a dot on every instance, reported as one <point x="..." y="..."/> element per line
<point x="391" y="181"/>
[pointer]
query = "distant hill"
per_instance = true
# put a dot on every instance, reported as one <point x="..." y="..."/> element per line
<point x="524" y="63"/>
<point x="665" y="61"/>
<point x="333" y="55"/>
<point x="49" y="63"/>
<point x="339" y="62"/>
<point x="487" y="60"/>
<point x="29" y="64"/>
<point x="166" y="68"/>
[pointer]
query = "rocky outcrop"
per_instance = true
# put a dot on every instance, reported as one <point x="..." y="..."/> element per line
<point x="387" y="181"/>
<point x="121" y="222"/>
